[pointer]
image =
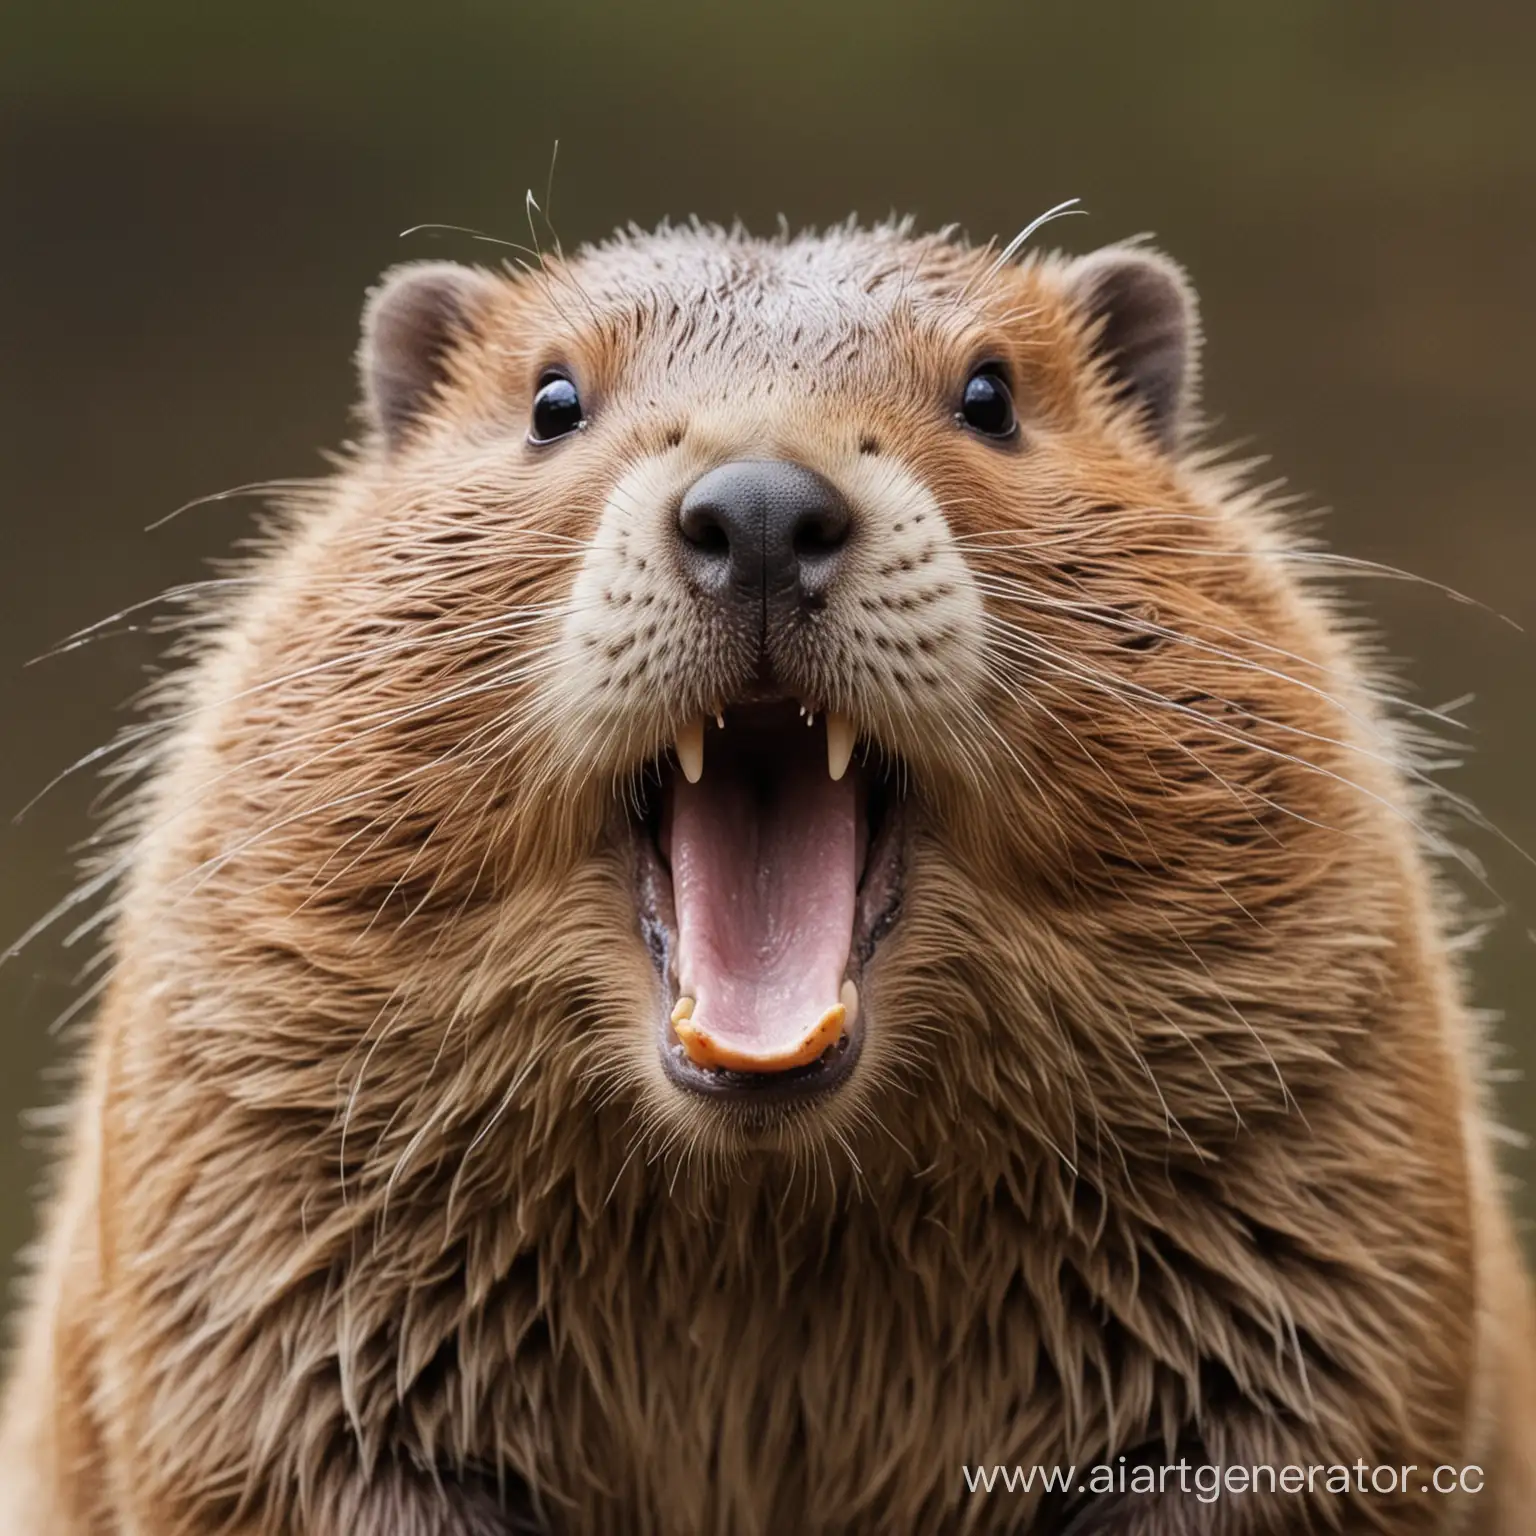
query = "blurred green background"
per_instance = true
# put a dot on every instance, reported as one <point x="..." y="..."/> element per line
<point x="193" y="198"/>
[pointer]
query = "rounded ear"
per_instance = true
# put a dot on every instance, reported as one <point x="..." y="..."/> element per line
<point x="1144" y="330"/>
<point x="411" y="324"/>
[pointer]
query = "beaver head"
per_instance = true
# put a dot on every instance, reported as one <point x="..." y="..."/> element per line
<point x="797" y="696"/>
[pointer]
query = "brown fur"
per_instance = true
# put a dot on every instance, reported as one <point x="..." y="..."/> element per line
<point x="1170" y="1125"/>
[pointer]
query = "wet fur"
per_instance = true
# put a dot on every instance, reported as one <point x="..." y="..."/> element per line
<point x="379" y="1215"/>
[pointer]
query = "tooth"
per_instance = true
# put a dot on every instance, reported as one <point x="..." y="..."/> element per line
<point x="720" y="718"/>
<point x="690" y="750"/>
<point x="685" y="1007"/>
<point x="839" y="743"/>
<point x="849" y="998"/>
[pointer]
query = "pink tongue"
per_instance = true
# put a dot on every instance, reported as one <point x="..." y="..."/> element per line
<point x="763" y="875"/>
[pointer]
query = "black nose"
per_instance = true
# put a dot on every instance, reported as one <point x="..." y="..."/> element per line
<point x="763" y="532"/>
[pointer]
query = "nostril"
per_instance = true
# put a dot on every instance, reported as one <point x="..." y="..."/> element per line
<point x="702" y="527"/>
<point x="820" y="531"/>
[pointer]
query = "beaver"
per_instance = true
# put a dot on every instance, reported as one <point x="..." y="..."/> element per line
<point x="780" y="892"/>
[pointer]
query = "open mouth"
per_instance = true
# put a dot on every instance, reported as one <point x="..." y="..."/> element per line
<point x="769" y="863"/>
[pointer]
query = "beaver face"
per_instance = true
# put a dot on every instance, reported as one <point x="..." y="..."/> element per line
<point x="800" y="693"/>
<point x="783" y="606"/>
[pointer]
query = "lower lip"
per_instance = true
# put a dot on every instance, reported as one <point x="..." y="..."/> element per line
<point x="764" y="1089"/>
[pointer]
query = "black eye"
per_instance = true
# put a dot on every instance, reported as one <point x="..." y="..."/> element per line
<point x="986" y="406"/>
<point x="556" y="409"/>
